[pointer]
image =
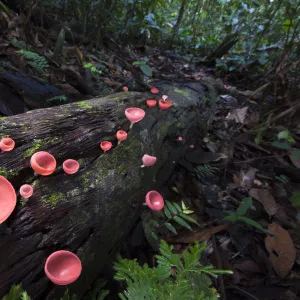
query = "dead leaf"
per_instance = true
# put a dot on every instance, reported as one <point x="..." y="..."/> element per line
<point x="238" y="115"/>
<point x="294" y="155"/>
<point x="203" y="235"/>
<point x="247" y="178"/>
<point x="266" y="199"/>
<point x="281" y="250"/>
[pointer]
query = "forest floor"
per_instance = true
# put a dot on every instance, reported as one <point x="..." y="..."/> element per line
<point x="255" y="187"/>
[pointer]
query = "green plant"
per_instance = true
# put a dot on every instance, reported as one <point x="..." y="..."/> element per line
<point x="58" y="99"/>
<point x="205" y="170"/>
<point x="144" y="67"/>
<point x="16" y="292"/>
<point x="239" y="215"/>
<point x="39" y="63"/>
<point x="174" y="214"/>
<point x="175" y="277"/>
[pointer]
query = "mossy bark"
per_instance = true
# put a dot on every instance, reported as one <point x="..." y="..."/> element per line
<point x="90" y="211"/>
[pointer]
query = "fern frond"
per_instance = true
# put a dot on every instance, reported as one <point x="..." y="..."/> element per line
<point x="16" y="292"/>
<point x="38" y="62"/>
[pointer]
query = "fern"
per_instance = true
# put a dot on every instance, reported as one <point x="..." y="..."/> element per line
<point x="205" y="170"/>
<point x="58" y="99"/>
<point x="175" y="277"/>
<point x="16" y="292"/>
<point x="39" y="63"/>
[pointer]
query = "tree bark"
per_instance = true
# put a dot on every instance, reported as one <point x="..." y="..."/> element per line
<point x="88" y="212"/>
<point x="180" y="16"/>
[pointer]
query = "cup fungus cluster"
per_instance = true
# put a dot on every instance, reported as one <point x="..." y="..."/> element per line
<point x="63" y="267"/>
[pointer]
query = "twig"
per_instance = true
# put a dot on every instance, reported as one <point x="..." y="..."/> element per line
<point x="235" y="287"/>
<point x="219" y="266"/>
<point x="252" y="159"/>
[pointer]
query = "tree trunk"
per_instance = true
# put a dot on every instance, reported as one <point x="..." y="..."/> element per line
<point x="88" y="212"/>
<point x="180" y="16"/>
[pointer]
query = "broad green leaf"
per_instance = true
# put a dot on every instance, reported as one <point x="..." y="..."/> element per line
<point x="244" y="206"/>
<point x="295" y="199"/>
<point x="188" y="218"/>
<point x="295" y="157"/>
<point x="146" y="70"/>
<point x="170" y="227"/>
<point x="281" y="145"/>
<point x="283" y="135"/>
<point x="154" y="235"/>
<point x="171" y="207"/>
<point x="182" y="223"/>
<point x="138" y="63"/>
<point x="231" y="218"/>
<point x="167" y="212"/>
<point x="251" y="222"/>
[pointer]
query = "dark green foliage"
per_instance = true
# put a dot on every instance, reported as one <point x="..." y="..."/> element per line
<point x="175" y="277"/>
<point x="239" y="215"/>
<point x="39" y="63"/>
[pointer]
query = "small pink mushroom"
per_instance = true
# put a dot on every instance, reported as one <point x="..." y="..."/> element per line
<point x="192" y="146"/>
<point x="7" y="144"/>
<point x="71" y="166"/>
<point x="154" y="90"/>
<point x="180" y="139"/>
<point x="121" y="136"/>
<point x="43" y="163"/>
<point x="134" y="115"/>
<point x="154" y="200"/>
<point x="164" y="97"/>
<point x="148" y="160"/>
<point x="105" y="146"/>
<point x="151" y="103"/>
<point x="125" y="88"/>
<point x="26" y="191"/>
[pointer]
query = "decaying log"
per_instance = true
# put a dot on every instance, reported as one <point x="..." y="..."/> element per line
<point x="88" y="212"/>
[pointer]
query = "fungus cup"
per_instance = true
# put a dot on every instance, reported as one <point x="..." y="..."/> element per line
<point x="148" y="161"/>
<point x="26" y="191"/>
<point x="43" y="163"/>
<point x="155" y="200"/>
<point x="7" y="144"/>
<point x="105" y="146"/>
<point x="180" y="139"/>
<point x="134" y="115"/>
<point x="63" y="267"/>
<point x="125" y="88"/>
<point x="192" y="146"/>
<point x="154" y="90"/>
<point x="164" y="104"/>
<point x="121" y="136"/>
<point x="8" y="199"/>
<point x="70" y="166"/>
<point x="151" y="103"/>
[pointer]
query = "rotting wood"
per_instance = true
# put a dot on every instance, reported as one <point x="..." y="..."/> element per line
<point x="88" y="212"/>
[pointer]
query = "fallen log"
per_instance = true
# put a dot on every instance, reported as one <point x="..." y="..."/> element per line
<point x="89" y="212"/>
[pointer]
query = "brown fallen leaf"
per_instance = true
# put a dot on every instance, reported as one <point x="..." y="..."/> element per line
<point x="264" y="197"/>
<point x="238" y="115"/>
<point x="191" y="237"/>
<point x="281" y="250"/>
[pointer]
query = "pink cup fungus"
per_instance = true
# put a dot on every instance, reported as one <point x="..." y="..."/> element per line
<point x="154" y="90"/>
<point x="26" y="191"/>
<point x="151" y="103"/>
<point x="192" y="146"/>
<point x="180" y="139"/>
<point x="71" y="166"/>
<point x="7" y="144"/>
<point x="154" y="200"/>
<point x="63" y="267"/>
<point x="8" y="199"/>
<point x="125" y="88"/>
<point x="134" y="115"/>
<point x="105" y="146"/>
<point x="121" y="136"/>
<point x="43" y="163"/>
<point x="164" y="104"/>
<point x="148" y="160"/>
